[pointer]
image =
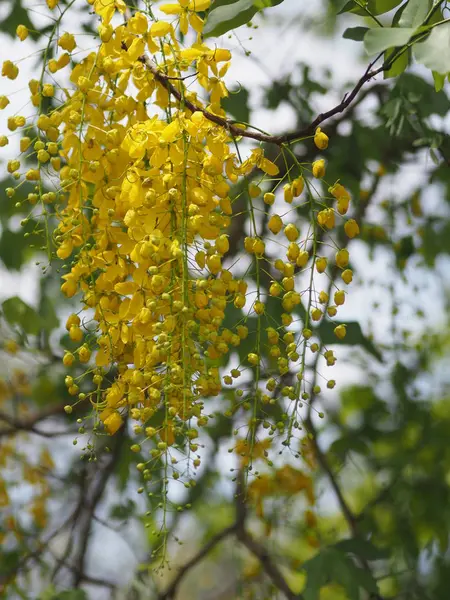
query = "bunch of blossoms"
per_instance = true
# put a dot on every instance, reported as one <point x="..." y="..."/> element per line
<point x="139" y="172"/>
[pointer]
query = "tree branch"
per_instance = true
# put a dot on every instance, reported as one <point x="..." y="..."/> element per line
<point x="237" y="131"/>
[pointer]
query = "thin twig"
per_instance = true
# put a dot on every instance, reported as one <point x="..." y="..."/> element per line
<point x="169" y="593"/>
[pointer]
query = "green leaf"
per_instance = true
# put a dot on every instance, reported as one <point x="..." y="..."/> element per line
<point x="17" y="312"/>
<point x="12" y="245"/>
<point x="362" y="548"/>
<point x="354" y="337"/>
<point x="236" y="104"/>
<point x="374" y="7"/>
<point x="70" y="595"/>
<point x="333" y="564"/>
<point x="47" y="314"/>
<point x="382" y="38"/>
<point x="414" y="13"/>
<point x="434" y="52"/>
<point x="224" y="18"/>
<point x="439" y="81"/>
<point x="18" y="16"/>
<point x="399" y="65"/>
<point x="355" y="33"/>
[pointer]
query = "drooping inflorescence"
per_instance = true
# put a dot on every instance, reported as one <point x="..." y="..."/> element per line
<point x="137" y="175"/>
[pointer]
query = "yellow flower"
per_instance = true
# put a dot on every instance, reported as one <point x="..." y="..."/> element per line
<point x="9" y="70"/>
<point x="321" y="139"/>
<point x="67" y="42"/>
<point x="340" y="331"/>
<point x="318" y="168"/>
<point x="275" y="224"/>
<point x="291" y="232"/>
<point x="351" y="228"/>
<point x="22" y="32"/>
<point x="107" y="8"/>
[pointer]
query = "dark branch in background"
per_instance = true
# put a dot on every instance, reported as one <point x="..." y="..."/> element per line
<point x="238" y="528"/>
<point x="90" y="503"/>
<point x="279" y="140"/>
<point x="29" y="423"/>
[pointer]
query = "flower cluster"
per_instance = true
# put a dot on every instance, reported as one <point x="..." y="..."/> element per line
<point x="137" y="168"/>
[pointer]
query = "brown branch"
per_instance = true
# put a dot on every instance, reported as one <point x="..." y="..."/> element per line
<point x="29" y="423"/>
<point x="170" y="592"/>
<point x="237" y="131"/>
<point x="90" y="502"/>
<point x="267" y="563"/>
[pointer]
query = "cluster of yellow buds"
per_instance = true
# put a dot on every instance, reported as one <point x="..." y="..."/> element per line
<point x="139" y="172"/>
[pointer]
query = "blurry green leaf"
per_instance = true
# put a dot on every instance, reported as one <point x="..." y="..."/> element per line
<point x="236" y="104"/>
<point x="414" y="13"/>
<point x="18" y="16"/>
<point x="47" y="314"/>
<point x="355" y="33"/>
<point x="17" y="312"/>
<point x="374" y="7"/>
<point x="382" y="38"/>
<point x="354" y="337"/>
<point x="434" y="52"/>
<point x="70" y="595"/>
<point x="9" y="561"/>
<point x="224" y="18"/>
<point x="122" y="512"/>
<point x="12" y="246"/>
<point x="362" y="548"/>
<point x="332" y="564"/>
<point x="439" y="81"/>
<point x="399" y="65"/>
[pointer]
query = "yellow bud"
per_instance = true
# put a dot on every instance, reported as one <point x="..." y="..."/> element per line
<point x="288" y="195"/>
<point x="321" y="139"/>
<point x="340" y="331"/>
<point x="321" y="264"/>
<point x="347" y="276"/>
<point x="22" y="32"/>
<point x="269" y="198"/>
<point x="291" y="232"/>
<point x="275" y="224"/>
<point x="342" y="257"/>
<point x="339" y="297"/>
<point x="318" y="168"/>
<point x="351" y="228"/>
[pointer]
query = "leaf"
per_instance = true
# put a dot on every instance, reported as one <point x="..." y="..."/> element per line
<point x="355" y="33"/>
<point x="414" y="13"/>
<point x="224" y="18"/>
<point x="374" y="7"/>
<point x="47" y="314"/>
<point x="382" y="38"/>
<point x="123" y="512"/>
<point x="237" y="105"/>
<point x="17" y="312"/>
<point x="434" y="52"/>
<point x="399" y="65"/>
<point x="354" y="337"/>
<point x="70" y="595"/>
<point x="12" y="249"/>
<point x="18" y="16"/>
<point x="333" y="564"/>
<point x="439" y="81"/>
<point x="362" y="548"/>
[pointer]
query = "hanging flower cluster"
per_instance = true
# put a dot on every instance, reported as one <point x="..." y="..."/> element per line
<point x="137" y="171"/>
